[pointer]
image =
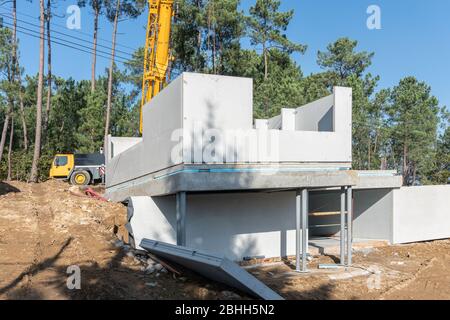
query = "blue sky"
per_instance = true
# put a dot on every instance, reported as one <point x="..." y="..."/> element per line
<point x="414" y="39"/>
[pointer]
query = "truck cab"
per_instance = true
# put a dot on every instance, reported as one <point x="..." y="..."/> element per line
<point x="79" y="169"/>
<point x="62" y="165"/>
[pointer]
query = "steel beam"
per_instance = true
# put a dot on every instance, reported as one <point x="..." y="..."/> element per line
<point x="298" y="223"/>
<point x="304" y="213"/>
<point x="349" y="224"/>
<point x="342" y="233"/>
<point x="181" y="218"/>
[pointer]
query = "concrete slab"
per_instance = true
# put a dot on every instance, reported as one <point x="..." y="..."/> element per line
<point x="213" y="267"/>
<point x="378" y="179"/>
<point x="191" y="178"/>
<point x="330" y="245"/>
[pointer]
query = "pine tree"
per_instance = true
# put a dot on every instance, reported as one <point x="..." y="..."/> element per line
<point x="413" y="119"/>
<point x="344" y="66"/>
<point x="37" y="140"/>
<point x="97" y="6"/>
<point x="266" y="29"/>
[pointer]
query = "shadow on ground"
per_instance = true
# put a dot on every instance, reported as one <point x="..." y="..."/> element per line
<point x="6" y="188"/>
<point x="114" y="279"/>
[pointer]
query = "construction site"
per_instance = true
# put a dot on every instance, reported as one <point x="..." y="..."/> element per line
<point x="211" y="202"/>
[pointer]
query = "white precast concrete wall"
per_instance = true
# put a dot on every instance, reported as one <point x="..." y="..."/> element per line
<point x="239" y="225"/>
<point x="162" y="117"/>
<point x="117" y="145"/>
<point x="242" y="225"/>
<point x="154" y="218"/>
<point x="197" y="113"/>
<point x="316" y="116"/>
<point x="421" y="213"/>
<point x="372" y="217"/>
<point x="235" y="225"/>
<point x="372" y="213"/>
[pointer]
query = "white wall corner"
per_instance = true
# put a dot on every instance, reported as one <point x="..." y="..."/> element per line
<point x="288" y="119"/>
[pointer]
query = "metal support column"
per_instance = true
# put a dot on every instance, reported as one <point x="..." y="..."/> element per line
<point x="298" y="223"/>
<point x="304" y="214"/>
<point x="181" y="218"/>
<point x="342" y="232"/>
<point x="349" y="225"/>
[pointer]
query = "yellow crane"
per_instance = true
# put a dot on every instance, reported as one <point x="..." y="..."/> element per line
<point x="157" y="50"/>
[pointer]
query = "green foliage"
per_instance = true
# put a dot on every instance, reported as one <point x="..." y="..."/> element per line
<point x="441" y="169"/>
<point x="206" y="36"/>
<point x="127" y="8"/>
<point x="91" y="129"/>
<point x="266" y="25"/>
<point x="281" y="90"/>
<point x="341" y="58"/>
<point x="68" y="101"/>
<point x="413" y="122"/>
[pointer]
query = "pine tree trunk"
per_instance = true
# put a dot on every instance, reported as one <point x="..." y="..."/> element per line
<point x="4" y="132"/>
<point x="405" y="163"/>
<point x="266" y="63"/>
<point x="9" y="111"/>
<point x="111" y="71"/>
<point x="11" y="79"/>
<point x="94" y="47"/>
<point x="11" y="139"/>
<point x="19" y="79"/>
<point x="22" y="117"/>
<point x="37" y="141"/>
<point x="49" y="69"/>
<point x="214" y="44"/>
<point x="199" y="39"/>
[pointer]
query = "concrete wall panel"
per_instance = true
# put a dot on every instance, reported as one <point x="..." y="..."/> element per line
<point x="373" y="214"/>
<point x="154" y="218"/>
<point x="121" y="144"/>
<point x="218" y="102"/>
<point x="316" y="116"/>
<point x="421" y="213"/>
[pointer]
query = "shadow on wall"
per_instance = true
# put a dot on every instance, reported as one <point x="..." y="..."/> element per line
<point x="325" y="124"/>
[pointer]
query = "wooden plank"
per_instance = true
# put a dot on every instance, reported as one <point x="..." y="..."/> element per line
<point x="321" y="214"/>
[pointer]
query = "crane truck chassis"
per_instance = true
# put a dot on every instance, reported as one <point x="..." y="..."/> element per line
<point x="79" y="169"/>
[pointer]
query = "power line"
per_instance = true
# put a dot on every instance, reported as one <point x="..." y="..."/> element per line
<point x="64" y="44"/>
<point x="71" y="44"/>
<point x="66" y="41"/>
<point x="78" y="49"/>
<point x="67" y="35"/>
<point x="74" y="30"/>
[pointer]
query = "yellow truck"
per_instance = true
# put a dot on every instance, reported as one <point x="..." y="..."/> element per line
<point x="79" y="169"/>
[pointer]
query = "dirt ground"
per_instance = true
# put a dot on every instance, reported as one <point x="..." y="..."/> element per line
<point x="44" y="229"/>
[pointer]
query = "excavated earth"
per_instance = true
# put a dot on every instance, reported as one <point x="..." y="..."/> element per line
<point x="47" y="231"/>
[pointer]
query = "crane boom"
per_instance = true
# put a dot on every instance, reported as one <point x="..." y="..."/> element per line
<point x="157" y="50"/>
